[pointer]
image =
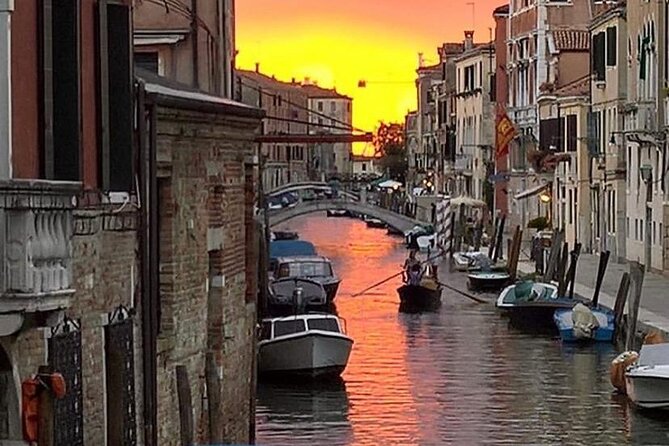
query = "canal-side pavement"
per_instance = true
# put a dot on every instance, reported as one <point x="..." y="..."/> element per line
<point x="654" y="311"/>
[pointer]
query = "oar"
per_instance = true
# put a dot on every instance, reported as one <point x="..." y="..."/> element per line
<point x="377" y="284"/>
<point x="392" y="277"/>
<point x="467" y="295"/>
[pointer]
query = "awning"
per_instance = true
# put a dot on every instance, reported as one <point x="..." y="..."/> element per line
<point x="533" y="191"/>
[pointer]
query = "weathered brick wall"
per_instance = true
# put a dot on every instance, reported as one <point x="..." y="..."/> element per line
<point x="104" y="263"/>
<point x="203" y="270"/>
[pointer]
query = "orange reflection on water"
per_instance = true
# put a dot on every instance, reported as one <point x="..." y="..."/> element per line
<point x="380" y="401"/>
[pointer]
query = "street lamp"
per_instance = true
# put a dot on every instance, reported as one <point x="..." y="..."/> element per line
<point x="647" y="177"/>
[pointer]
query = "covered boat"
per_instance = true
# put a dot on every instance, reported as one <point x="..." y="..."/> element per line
<point x="312" y="267"/>
<point x="581" y="323"/>
<point x="647" y="382"/>
<point x="285" y="235"/>
<point x="285" y="248"/>
<point x="533" y="303"/>
<point x="305" y="345"/>
<point x="374" y="223"/>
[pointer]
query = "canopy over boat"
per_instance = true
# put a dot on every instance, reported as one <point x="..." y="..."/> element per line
<point x="288" y="248"/>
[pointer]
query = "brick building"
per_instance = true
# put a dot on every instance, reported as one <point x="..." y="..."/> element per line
<point x="86" y="288"/>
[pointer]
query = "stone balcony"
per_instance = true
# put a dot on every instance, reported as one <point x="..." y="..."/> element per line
<point x="36" y="228"/>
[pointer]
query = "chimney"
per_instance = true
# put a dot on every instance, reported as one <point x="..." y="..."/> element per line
<point x="292" y="81"/>
<point x="469" y="40"/>
<point x="257" y="67"/>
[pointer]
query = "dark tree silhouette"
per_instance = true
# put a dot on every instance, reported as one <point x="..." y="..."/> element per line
<point x="389" y="146"/>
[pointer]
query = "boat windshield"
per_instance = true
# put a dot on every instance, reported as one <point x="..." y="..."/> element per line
<point x="305" y="269"/>
<point x="325" y="324"/>
<point x="283" y="328"/>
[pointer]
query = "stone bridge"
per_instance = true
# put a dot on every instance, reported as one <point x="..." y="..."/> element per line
<point x="309" y="185"/>
<point x="393" y="219"/>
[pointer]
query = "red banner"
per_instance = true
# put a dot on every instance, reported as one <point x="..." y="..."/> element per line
<point x="506" y="131"/>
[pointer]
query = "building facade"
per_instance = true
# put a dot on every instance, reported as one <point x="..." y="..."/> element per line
<point x="194" y="44"/>
<point x="608" y="90"/>
<point x="475" y="112"/>
<point x="330" y="112"/>
<point x="128" y="206"/>
<point x="501" y="16"/>
<point x="286" y="112"/>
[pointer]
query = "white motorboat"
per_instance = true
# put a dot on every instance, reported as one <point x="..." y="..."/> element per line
<point x="469" y="261"/>
<point x="648" y="381"/>
<point x="313" y="345"/>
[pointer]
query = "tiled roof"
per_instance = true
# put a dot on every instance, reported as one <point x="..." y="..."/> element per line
<point x="571" y="40"/>
<point x="578" y="87"/>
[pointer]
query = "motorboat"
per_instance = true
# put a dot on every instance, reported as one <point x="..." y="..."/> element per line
<point x="289" y="248"/>
<point x="314" y="267"/>
<point x="337" y="213"/>
<point x="488" y="281"/>
<point x="426" y="242"/>
<point x="471" y="261"/>
<point x="374" y="223"/>
<point x="284" y="235"/>
<point x="305" y="345"/>
<point x="581" y="323"/>
<point x="411" y="236"/>
<point x="647" y="381"/>
<point x="293" y="295"/>
<point x="533" y="303"/>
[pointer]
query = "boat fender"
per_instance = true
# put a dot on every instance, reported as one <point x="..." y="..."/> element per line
<point x="618" y="367"/>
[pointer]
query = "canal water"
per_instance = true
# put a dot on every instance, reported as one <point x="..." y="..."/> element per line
<point x="460" y="376"/>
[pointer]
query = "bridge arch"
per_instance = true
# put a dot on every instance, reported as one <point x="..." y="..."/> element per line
<point x="392" y="219"/>
<point x="308" y="185"/>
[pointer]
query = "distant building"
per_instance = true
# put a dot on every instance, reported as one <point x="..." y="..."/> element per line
<point x="423" y="160"/>
<point x="286" y="109"/>
<point x="475" y="112"/>
<point x="329" y="112"/>
<point x="366" y="166"/>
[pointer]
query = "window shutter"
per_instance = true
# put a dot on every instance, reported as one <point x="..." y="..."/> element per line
<point x="611" y="46"/>
<point x="116" y="95"/>
<point x="571" y="133"/>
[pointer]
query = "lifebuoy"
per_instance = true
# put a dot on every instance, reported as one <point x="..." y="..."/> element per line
<point x="30" y="403"/>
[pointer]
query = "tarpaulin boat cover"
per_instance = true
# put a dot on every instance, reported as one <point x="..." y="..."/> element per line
<point x="585" y="322"/>
<point x="288" y="248"/>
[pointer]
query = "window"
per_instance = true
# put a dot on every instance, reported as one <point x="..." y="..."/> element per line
<point x="147" y="61"/>
<point x="283" y="328"/>
<point x="328" y="324"/>
<point x="333" y="106"/>
<point x="611" y="46"/>
<point x="469" y="78"/>
<point x="320" y="106"/>
<point x="572" y="133"/>
<point x="116" y="101"/>
<point x="598" y="56"/>
<point x="61" y="109"/>
<point x="571" y="206"/>
<point x="550" y="133"/>
<point x="364" y="167"/>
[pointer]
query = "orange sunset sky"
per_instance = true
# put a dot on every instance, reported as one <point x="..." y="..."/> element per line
<point x="338" y="42"/>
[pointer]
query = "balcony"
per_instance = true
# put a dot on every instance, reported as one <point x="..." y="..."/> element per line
<point x="36" y="228"/>
<point x="464" y="164"/>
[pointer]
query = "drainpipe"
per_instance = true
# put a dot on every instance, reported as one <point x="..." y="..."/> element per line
<point x="195" y="43"/>
<point x="6" y="9"/>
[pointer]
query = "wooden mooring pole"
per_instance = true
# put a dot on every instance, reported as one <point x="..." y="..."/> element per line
<point x="619" y="308"/>
<point x="571" y="274"/>
<point x="637" y="272"/>
<point x="603" y="263"/>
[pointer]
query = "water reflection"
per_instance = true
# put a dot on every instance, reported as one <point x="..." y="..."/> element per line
<point x="459" y="376"/>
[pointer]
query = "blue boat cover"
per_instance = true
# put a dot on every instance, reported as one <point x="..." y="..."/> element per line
<point x="288" y="248"/>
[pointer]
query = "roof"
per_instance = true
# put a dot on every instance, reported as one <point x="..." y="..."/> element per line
<point x="571" y="40"/>
<point x="314" y="91"/>
<point x="578" y="87"/>
<point x="363" y="158"/>
<point x="476" y="50"/>
<point x="266" y="80"/>
<point x="170" y="93"/>
<point x="501" y="10"/>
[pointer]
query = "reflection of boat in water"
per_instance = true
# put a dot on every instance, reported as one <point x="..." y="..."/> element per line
<point x="286" y="411"/>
